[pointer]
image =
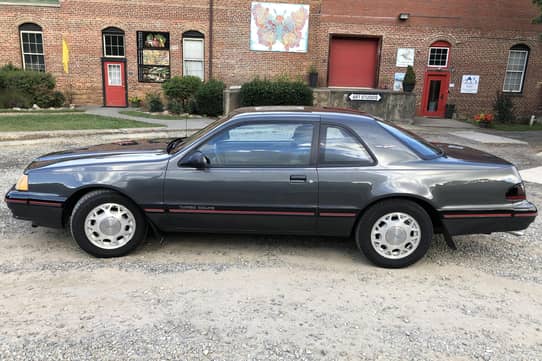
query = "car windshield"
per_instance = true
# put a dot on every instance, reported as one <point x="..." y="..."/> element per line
<point x="425" y="149"/>
<point x="200" y="133"/>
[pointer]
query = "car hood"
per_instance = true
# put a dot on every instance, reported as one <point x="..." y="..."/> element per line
<point x="471" y="155"/>
<point x="124" y="151"/>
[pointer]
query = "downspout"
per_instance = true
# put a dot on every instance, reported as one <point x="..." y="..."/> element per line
<point x="211" y="6"/>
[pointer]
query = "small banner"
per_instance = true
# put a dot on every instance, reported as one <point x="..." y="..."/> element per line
<point x="65" y="56"/>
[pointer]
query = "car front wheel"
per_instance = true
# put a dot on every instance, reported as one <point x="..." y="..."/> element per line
<point x="106" y="224"/>
<point x="394" y="233"/>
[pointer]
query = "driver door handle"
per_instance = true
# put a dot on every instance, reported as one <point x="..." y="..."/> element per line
<point x="298" y="179"/>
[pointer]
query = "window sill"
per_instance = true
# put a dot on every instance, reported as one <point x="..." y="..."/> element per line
<point x="53" y="4"/>
<point x="513" y="94"/>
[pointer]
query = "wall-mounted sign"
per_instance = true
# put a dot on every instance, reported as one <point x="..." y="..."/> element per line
<point x="398" y="81"/>
<point x="469" y="84"/>
<point x="405" y="57"/>
<point x="279" y="27"/>
<point x="153" y="56"/>
<point x="365" y="97"/>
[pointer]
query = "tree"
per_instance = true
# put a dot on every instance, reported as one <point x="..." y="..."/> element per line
<point x="538" y="19"/>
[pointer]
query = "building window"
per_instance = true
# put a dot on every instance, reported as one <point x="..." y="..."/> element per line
<point x="32" y="47"/>
<point x="438" y="57"/>
<point x="113" y="43"/>
<point x="193" y="54"/>
<point x="515" y="69"/>
<point x="113" y="75"/>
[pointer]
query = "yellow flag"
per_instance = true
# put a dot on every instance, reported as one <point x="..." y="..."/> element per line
<point x="65" y="56"/>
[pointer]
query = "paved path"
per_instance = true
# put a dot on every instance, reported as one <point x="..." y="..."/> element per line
<point x="190" y="123"/>
<point x="487" y="138"/>
<point x="442" y="123"/>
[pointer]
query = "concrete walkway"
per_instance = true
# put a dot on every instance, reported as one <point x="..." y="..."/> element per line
<point x="442" y="123"/>
<point x="188" y="123"/>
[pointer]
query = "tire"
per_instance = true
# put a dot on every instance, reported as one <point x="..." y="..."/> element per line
<point x="107" y="224"/>
<point x="394" y="233"/>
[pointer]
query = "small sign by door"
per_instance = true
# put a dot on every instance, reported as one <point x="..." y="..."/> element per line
<point x="114" y="82"/>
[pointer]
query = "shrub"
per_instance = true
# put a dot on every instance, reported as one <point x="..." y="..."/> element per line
<point x="12" y="99"/>
<point x="36" y="87"/>
<point x="153" y="102"/>
<point x="410" y="76"/>
<point x="174" y="106"/>
<point x="181" y="89"/>
<point x="279" y="92"/>
<point x="503" y="107"/>
<point x="209" y="98"/>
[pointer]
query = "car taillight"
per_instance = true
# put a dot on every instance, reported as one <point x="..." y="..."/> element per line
<point x="516" y="193"/>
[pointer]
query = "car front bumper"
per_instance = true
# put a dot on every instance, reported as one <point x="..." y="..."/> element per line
<point x="41" y="210"/>
<point x="516" y="218"/>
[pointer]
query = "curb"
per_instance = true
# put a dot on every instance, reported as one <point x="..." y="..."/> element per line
<point x="9" y="136"/>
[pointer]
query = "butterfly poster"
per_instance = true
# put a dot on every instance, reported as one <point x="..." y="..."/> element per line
<point x="279" y="27"/>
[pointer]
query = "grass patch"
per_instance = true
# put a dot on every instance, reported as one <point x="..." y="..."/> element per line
<point x="137" y="113"/>
<point x="40" y="111"/>
<point x="516" y="127"/>
<point x="34" y="122"/>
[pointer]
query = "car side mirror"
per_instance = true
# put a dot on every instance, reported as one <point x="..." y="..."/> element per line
<point x="196" y="160"/>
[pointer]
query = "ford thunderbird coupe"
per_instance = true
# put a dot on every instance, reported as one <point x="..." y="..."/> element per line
<point x="285" y="170"/>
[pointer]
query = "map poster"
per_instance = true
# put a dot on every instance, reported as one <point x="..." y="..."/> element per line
<point x="279" y="27"/>
<point x="155" y="57"/>
<point x="405" y="57"/>
<point x="469" y="84"/>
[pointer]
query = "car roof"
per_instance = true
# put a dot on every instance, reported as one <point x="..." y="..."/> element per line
<point x="295" y="110"/>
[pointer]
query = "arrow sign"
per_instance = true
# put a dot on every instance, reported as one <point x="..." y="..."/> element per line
<point x="365" y="97"/>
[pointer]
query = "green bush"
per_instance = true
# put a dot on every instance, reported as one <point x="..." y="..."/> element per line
<point x="36" y="87"/>
<point x="181" y="89"/>
<point x="175" y="107"/>
<point x="209" y="98"/>
<point x="410" y="76"/>
<point x="504" y="107"/>
<point x="278" y="92"/>
<point x="14" y="99"/>
<point x="153" y="102"/>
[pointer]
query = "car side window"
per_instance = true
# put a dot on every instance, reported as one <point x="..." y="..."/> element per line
<point x="261" y="145"/>
<point x="339" y="147"/>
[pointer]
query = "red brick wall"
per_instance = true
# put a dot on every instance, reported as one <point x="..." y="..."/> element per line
<point x="481" y="32"/>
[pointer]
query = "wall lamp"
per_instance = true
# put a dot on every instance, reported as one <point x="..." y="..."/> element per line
<point x="404" y="16"/>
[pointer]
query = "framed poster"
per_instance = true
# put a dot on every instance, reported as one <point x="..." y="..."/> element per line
<point x="279" y="27"/>
<point x="398" y="82"/>
<point x="469" y="84"/>
<point x="153" y="58"/>
<point x="405" y="57"/>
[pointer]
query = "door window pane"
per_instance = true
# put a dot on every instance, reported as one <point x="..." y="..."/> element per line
<point x="261" y="145"/>
<point x="341" y="147"/>
<point x="113" y="74"/>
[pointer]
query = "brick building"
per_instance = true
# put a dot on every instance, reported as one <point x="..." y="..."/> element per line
<point x="463" y="51"/>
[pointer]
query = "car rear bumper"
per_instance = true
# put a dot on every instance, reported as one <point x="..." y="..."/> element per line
<point x="40" y="210"/>
<point x="516" y="218"/>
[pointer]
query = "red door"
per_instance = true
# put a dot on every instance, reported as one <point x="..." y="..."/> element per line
<point x="435" y="94"/>
<point x="353" y="62"/>
<point x="114" y="83"/>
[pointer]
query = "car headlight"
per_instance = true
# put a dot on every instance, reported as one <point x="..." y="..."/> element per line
<point x="22" y="183"/>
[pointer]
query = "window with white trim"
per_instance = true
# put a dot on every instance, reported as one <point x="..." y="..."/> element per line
<point x="438" y="57"/>
<point x="113" y="43"/>
<point x="515" y="69"/>
<point x="193" y="54"/>
<point x="32" y="47"/>
<point x="113" y="75"/>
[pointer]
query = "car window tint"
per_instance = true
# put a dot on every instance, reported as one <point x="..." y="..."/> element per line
<point x="419" y="145"/>
<point x="341" y="147"/>
<point x="265" y="145"/>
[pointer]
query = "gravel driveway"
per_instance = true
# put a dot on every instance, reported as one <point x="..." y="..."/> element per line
<point x="211" y="297"/>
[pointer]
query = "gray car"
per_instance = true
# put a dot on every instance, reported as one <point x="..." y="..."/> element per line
<point x="289" y="170"/>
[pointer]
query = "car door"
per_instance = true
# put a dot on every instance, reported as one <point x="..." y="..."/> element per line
<point x="261" y="178"/>
<point x="345" y="178"/>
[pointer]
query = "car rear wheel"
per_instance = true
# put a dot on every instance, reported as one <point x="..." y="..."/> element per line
<point x="107" y="224"/>
<point x="394" y="233"/>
